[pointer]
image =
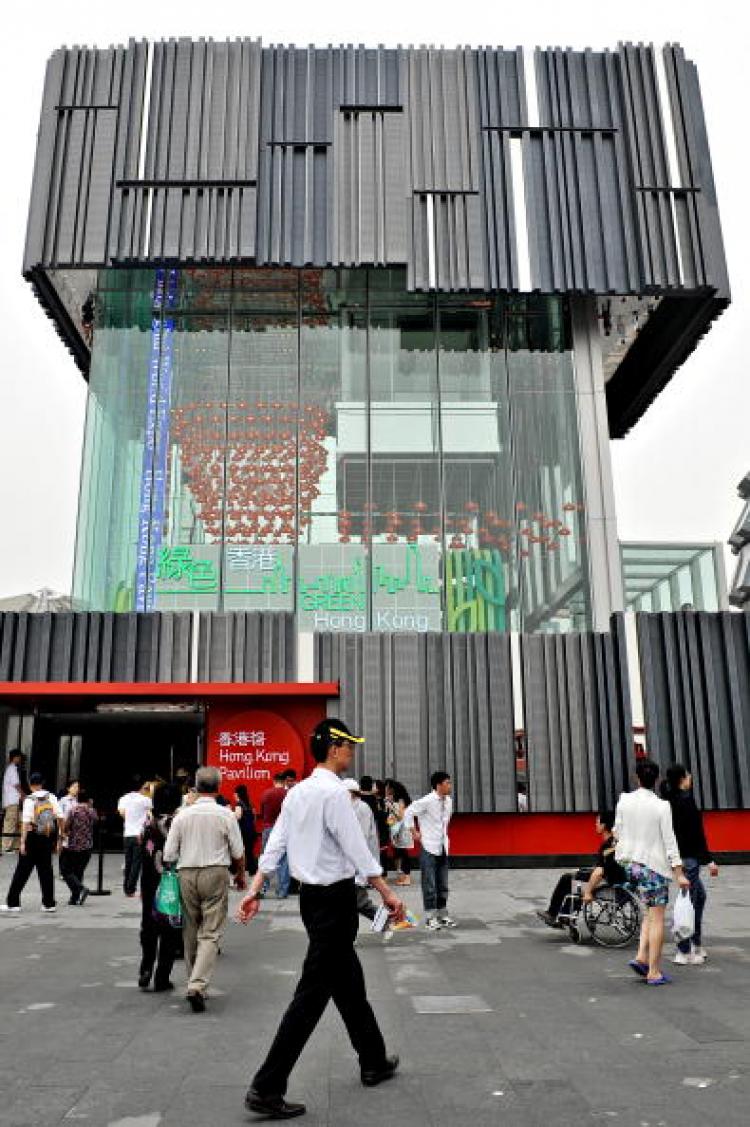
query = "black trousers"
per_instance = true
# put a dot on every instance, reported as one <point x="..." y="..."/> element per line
<point x="73" y="864"/>
<point x="159" y="945"/>
<point x="563" y="888"/>
<point x="331" y="970"/>
<point x="38" y="855"/>
<point x="133" y="858"/>
<point x="403" y="856"/>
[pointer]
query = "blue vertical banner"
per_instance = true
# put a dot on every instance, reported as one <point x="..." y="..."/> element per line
<point x="161" y="450"/>
<point x="149" y="445"/>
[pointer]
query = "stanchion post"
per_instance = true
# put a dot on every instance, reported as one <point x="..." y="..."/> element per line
<point x="100" y="890"/>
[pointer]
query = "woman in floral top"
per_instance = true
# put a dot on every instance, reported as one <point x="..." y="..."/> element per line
<point x="160" y="943"/>
<point x="79" y="843"/>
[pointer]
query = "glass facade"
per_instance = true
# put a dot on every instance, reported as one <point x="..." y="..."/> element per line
<point x="327" y="442"/>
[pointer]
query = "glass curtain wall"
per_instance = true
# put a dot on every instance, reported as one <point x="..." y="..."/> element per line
<point x="327" y="442"/>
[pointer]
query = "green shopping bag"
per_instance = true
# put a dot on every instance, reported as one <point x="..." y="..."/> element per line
<point x="167" y="904"/>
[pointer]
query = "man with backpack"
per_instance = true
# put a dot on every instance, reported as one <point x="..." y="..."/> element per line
<point x="41" y="834"/>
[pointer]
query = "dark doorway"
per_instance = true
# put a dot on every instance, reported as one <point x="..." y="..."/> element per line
<point x="113" y="749"/>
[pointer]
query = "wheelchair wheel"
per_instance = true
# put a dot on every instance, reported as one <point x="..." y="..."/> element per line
<point x="613" y="917"/>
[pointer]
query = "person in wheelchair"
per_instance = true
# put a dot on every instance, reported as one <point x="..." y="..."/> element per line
<point x="606" y="870"/>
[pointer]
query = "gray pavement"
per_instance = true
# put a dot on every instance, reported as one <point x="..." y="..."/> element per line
<point x="501" y="1021"/>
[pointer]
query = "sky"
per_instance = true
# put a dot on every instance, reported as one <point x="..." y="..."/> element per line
<point x="675" y="473"/>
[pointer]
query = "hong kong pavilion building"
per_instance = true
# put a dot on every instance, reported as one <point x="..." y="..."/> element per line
<point x="359" y="325"/>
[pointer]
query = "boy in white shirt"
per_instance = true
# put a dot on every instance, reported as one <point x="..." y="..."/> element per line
<point x="434" y="812"/>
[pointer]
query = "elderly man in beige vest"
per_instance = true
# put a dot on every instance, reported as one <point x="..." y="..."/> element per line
<point x="204" y="841"/>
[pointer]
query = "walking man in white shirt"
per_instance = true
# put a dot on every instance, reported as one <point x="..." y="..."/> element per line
<point x="318" y="830"/>
<point x="205" y="841"/>
<point x="434" y="813"/>
<point x="134" y="808"/>
<point x="12" y="802"/>
<point x="41" y="835"/>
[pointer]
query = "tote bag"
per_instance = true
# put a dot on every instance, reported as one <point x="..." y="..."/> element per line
<point x="167" y="904"/>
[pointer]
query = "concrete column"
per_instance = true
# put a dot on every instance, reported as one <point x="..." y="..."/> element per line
<point x="605" y="571"/>
<point x="305" y="656"/>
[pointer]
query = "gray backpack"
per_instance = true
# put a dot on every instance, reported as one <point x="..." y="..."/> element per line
<point x="45" y="820"/>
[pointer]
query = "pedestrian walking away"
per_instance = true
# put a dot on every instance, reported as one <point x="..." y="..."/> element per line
<point x="245" y="815"/>
<point x="327" y="852"/>
<point x="204" y="841"/>
<point x="12" y="798"/>
<point x="133" y="808"/>
<point x="41" y="834"/>
<point x="647" y="850"/>
<point x="687" y="821"/>
<point x="78" y="846"/>
<point x="270" y="805"/>
<point x="366" y="819"/>
<point x="433" y="813"/>
<point x="160" y="941"/>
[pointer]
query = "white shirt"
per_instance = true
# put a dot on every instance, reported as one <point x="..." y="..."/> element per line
<point x="135" y="808"/>
<point x="66" y="803"/>
<point x="644" y="832"/>
<point x="319" y="831"/>
<point x="366" y="819"/>
<point x="27" y="814"/>
<point x="204" y="834"/>
<point x="434" y="814"/>
<point x="11" y="782"/>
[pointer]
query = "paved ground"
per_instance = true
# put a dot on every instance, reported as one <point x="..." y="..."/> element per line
<point x="499" y="1022"/>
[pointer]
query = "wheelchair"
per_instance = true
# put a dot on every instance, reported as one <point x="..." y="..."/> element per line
<point x="611" y="919"/>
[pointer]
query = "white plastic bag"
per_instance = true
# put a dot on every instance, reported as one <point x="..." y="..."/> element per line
<point x="683" y="918"/>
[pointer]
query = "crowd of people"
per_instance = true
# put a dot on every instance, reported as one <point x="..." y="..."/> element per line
<point x="331" y="839"/>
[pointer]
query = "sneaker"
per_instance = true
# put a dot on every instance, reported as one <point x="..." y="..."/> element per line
<point x="701" y="953"/>
<point x="433" y="923"/>
<point x="197" y="1003"/>
<point x="82" y="897"/>
<point x="7" y="908"/>
<point x="695" y="959"/>
<point x="448" y="921"/>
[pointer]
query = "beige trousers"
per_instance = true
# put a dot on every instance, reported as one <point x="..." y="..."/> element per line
<point x="205" y="902"/>
<point x="11" y="826"/>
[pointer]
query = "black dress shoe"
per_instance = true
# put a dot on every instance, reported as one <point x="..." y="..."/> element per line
<point x="197" y="1003"/>
<point x="144" y="980"/>
<point x="274" y="1107"/>
<point x="373" y="1076"/>
<point x="160" y="987"/>
<point x="550" y="920"/>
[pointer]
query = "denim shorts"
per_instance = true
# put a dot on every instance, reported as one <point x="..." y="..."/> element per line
<point x="652" y="888"/>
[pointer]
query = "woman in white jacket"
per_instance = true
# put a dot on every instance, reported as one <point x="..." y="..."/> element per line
<point x="647" y="850"/>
